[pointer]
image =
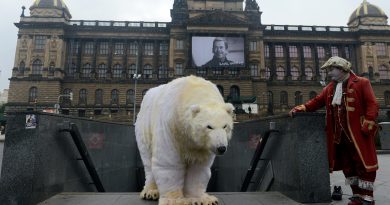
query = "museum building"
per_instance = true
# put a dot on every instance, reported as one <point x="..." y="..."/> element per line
<point x="102" y="69"/>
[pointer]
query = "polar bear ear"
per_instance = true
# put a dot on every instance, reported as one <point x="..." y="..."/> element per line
<point x="195" y="109"/>
<point x="229" y="108"/>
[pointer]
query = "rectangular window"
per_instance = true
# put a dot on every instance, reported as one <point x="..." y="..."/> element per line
<point x="347" y="53"/>
<point x="279" y="52"/>
<point x="179" y="44"/>
<point x="103" y="48"/>
<point x="75" y="47"/>
<point x="133" y="48"/>
<point x="163" y="49"/>
<point x="266" y="51"/>
<point x="293" y="51"/>
<point x="119" y="48"/>
<point x="231" y="71"/>
<point x="40" y="42"/>
<point x="253" y="46"/>
<point x="380" y="49"/>
<point x="88" y="48"/>
<point x="148" y="51"/>
<point x="321" y="52"/>
<point x="201" y="72"/>
<point x="307" y="51"/>
<point x="254" y="69"/>
<point x="179" y="69"/>
<point x="335" y="51"/>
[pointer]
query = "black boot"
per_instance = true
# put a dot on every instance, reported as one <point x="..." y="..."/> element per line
<point x="337" y="193"/>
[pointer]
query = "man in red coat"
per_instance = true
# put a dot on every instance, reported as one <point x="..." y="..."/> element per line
<point x="351" y="111"/>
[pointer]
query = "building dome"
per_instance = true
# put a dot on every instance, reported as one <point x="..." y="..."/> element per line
<point x="53" y="8"/>
<point x="367" y="10"/>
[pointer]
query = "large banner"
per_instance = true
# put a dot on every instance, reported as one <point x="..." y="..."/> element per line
<point x="218" y="51"/>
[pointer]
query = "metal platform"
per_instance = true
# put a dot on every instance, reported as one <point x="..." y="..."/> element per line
<point x="230" y="198"/>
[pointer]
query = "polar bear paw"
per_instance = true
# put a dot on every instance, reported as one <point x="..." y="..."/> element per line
<point x="150" y="192"/>
<point x="204" y="200"/>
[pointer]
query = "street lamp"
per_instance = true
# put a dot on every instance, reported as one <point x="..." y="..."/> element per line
<point x="57" y="106"/>
<point x="135" y="77"/>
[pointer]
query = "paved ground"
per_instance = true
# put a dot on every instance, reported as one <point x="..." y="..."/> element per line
<point x="382" y="192"/>
<point x="382" y="184"/>
<point x="264" y="198"/>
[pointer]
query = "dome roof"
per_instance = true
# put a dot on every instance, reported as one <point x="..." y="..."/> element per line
<point x="50" y="4"/>
<point x="367" y="10"/>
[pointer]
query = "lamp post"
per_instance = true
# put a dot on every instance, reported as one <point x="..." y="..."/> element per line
<point x="135" y="77"/>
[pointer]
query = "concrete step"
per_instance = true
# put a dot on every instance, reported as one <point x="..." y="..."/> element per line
<point x="226" y="198"/>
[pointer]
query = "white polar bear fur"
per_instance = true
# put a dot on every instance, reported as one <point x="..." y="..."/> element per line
<point x="178" y="130"/>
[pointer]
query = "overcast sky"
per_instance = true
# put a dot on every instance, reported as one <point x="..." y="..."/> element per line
<point x="291" y="12"/>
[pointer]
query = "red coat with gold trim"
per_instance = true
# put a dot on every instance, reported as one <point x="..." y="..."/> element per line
<point x="362" y="111"/>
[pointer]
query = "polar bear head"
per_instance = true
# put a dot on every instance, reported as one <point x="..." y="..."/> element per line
<point x="210" y="126"/>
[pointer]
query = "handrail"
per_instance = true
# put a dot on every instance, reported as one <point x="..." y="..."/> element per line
<point x="76" y="136"/>
<point x="256" y="157"/>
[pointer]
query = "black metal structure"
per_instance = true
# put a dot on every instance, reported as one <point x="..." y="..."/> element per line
<point x="255" y="160"/>
<point x="76" y="136"/>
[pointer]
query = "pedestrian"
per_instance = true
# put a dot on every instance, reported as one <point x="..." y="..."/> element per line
<point x="351" y="127"/>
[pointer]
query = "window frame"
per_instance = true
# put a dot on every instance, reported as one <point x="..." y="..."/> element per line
<point x="32" y="94"/>
<point x="40" y="42"/>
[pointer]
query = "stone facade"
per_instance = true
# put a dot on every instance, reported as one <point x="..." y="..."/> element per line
<point x="97" y="60"/>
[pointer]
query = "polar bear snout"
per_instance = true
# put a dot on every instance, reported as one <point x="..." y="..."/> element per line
<point x="221" y="150"/>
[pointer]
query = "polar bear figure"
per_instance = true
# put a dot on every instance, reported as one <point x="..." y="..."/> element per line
<point x="180" y="129"/>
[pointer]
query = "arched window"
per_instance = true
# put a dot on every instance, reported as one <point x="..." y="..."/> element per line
<point x="102" y="71"/>
<point x="115" y="97"/>
<point x="83" y="97"/>
<point x="283" y="98"/>
<point x="22" y="67"/>
<point x="32" y="94"/>
<point x="129" y="97"/>
<point x="99" y="97"/>
<point x="220" y="88"/>
<point x="234" y="92"/>
<point x="298" y="98"/>
<point x="86" y="71"/>
<point x="148" y="71"/>
<point x="384" y="73"/>
<point x="162" y="72"/>
<point x="66" y="99"/>
<point x="280" y="73"/>
<point x="312" y="94"/>
<point x="37" y="67"/>
<point x="387" y="97"/>
<point x="295" y="73"/>
<point x="309" y="73"/>
<point x="117" y="71"/>
<point x="131" y="70"/>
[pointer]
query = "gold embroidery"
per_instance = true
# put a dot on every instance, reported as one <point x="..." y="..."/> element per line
<point x="351" y="109"/>
<point x="351" y="90"/>
<point x="375" y="166"/>
<point x="350" y="99"/>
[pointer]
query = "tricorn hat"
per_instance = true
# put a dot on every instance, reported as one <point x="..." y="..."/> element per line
<point x="337" y="62"/>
